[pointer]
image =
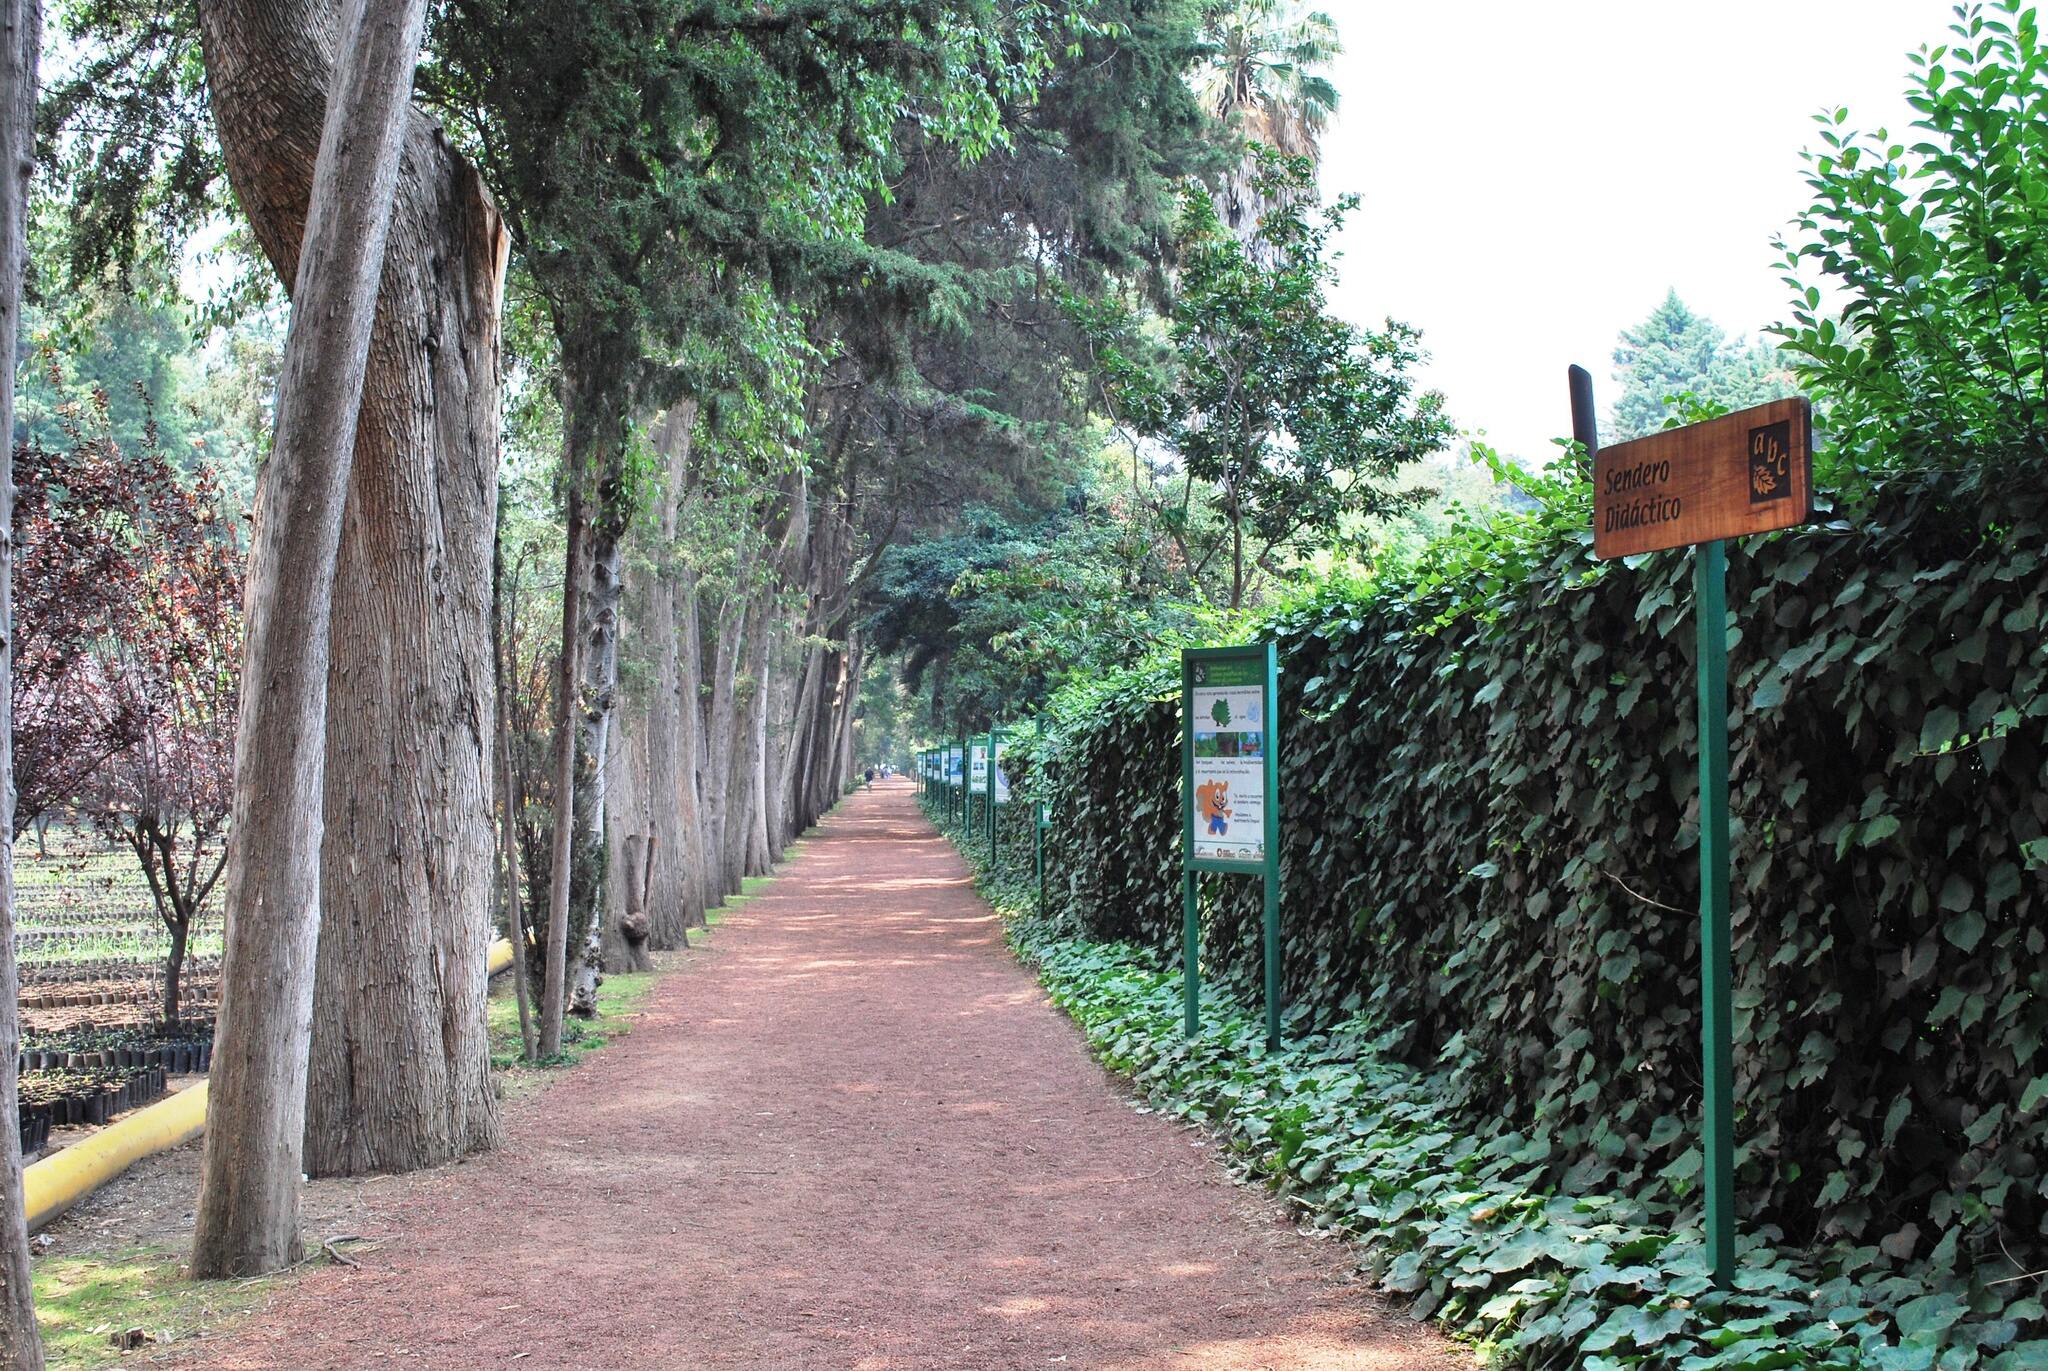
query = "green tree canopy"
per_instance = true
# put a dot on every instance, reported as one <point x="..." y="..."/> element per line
<point x="1285" y="420"/>
<point x="1677" y="352"/>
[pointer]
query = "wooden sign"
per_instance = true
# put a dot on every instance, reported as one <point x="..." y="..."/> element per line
<point x="1747" y="472"/>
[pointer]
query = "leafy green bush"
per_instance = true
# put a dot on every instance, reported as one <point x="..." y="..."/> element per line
<point x="1473" y="1231"/>
<point x="1935" y="244"/>
<point x="1489" y="858"/>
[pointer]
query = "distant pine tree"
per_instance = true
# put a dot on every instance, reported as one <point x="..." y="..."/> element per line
<point x="1675" y="352"/>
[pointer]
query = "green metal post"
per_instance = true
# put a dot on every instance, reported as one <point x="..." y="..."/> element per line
<point x="1270" y="879"/>
<point x="988" y="798"/>
<point x="1190" y="954"/>
<point x="1710" y="597"/>
<point x="1271" y="890"/>
<point x="1038" y="853"/>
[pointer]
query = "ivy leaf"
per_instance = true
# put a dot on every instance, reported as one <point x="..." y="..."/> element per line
<point x="1895" y="1117"/>
<point x="1939" y="729"/>
<point x="1965" y="930"/>
<point x="1930" y="1314"/>
<point x="1666" y="1131"/>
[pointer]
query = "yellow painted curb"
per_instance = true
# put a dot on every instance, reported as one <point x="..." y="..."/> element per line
<point x="60" y="1180"/>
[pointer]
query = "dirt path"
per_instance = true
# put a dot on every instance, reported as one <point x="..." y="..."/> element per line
<point x="852" y="1134"/>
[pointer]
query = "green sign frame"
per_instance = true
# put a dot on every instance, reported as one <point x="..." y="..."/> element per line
<point x="988" y="797"/>
<point x="1211" y="670"/>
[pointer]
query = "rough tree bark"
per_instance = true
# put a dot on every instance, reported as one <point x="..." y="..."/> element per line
<point x="728" y="628"/>
<point x="737" y="801"/>
<point x="567" y="678"/>
<point x="21" y="41"/>
<point x="637" y="861"/>
<point x="590" y="910"/>
<point x="399" y="1057"/>
<point x="667" y="778"/>
<point x="803" y="726"/>
<point x="248" y="1214"/>
<point x="504" y="624"/>
<point x="695" y="858"/>
<point x="758" y="858"/>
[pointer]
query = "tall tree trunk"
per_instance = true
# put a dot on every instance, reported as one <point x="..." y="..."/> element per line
<point x="636" y="864"/>
<point x="695" y="856"/>
<point x="722" y="711"/>
<point x="758" y="857"/>
<point x="248" y="1215"/>
<point x="399" y="1058"/>
<point x="567" y="712"/>
<point x="504" y="624"/>
<point x="824" y="782"/>
<point x="628" y="817"/>
<point x="667" y="778"/>
<point x="21" y="42"/>
<point x="846" y="704"/>
<point x="775" y="768"/>
<point x="591" y="912"/>
<point x="848" y="707"/>
<point x="802" y="749"/>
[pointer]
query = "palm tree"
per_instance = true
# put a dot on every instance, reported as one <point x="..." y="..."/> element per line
<point x="1263" y="80"/>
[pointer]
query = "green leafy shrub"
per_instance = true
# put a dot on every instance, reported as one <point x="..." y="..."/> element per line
<point x="1470" y="1229"/>
<point x="1934" y="242"/>
<point x="1489" y="860"/>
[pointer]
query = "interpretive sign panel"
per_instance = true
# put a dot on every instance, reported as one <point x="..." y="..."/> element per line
<point x="996" y="773"/>
<point x="1747" y="472"/>
<point x="1230" y="799"/>
<point x="1228" y="714"/>
<point x="977" y="770"/>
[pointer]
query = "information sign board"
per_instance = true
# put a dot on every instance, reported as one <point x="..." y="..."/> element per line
<point x="1747" y="472"/>
<point x="1230" y="799"/>
<point x="996" y="772"/>
<point x="977" y="769"/>
<point x="1228" y="713"/>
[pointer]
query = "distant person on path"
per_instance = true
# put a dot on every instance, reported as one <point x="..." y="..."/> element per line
<point x="871" y="778"/>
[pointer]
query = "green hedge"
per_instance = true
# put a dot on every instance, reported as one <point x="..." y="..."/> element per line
<point x="1490" y="861"/>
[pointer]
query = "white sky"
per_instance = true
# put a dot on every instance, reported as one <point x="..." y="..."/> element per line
<point x="1536" y="176"/>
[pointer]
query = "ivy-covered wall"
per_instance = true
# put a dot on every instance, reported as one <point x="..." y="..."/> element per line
<point x="1491" y="824"/>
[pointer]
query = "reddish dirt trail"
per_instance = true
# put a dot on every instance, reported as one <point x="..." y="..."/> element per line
<point x="852" y="1133"/>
